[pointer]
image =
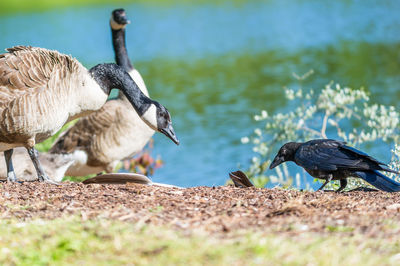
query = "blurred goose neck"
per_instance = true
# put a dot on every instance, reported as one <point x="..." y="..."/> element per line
<point x="121" y="54"/>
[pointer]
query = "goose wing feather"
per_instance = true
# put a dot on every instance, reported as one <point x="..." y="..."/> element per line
<point x="25" y="69"/>
<point x="80" y="136"/>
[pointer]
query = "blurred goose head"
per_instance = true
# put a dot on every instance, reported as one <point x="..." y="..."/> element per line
<point x="118" y="19"/>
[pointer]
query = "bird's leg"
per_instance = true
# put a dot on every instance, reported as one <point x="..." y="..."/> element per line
<point x="42" y="176"/>
<point x="329" y="179"/>
<point x="10" y="169"/>
<point x="343" y="184"/>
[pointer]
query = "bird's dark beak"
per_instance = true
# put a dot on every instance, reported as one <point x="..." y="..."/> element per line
<point x="125" y="20"/>
<point x="122" y="19"/>
<point x="277" y="161"/>
<point x="170" y="133"/>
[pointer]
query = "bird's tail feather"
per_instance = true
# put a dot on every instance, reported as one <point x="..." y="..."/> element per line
<point x="379" y="181"/>
<point x="387" y="169"/>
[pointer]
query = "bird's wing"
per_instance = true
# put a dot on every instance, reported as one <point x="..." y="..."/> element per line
<point x="81" y="135"/>
<point x="26" y="69"/>
<point x="361" y="154"/>
<point x="373" y="164"/>
<point x="329" y="155"/>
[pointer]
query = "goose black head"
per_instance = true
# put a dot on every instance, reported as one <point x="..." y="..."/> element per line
<point x="155" y="115"/>
<point x="285" y="153"/>
<point x="159" y="119"/>
<point x="118" y="19"/>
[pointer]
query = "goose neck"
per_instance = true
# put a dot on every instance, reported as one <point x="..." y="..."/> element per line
<point x="112" y="76"/>
<point x="121" y="54"/>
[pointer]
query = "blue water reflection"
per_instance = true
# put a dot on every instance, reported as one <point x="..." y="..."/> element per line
<point x="214" y="66"/>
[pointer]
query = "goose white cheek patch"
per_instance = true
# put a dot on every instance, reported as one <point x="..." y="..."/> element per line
<point x="115" y="25"/>
<point x="150" y="117"/>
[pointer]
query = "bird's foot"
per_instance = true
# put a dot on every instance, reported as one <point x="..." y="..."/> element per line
<point x="46" y="179"/>
<point x="11" y="177"/>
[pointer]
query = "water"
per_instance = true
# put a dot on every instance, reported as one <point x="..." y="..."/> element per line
<point x="215" y="66"/>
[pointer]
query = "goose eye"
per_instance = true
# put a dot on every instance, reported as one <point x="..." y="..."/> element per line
<point x="166" y="117"/>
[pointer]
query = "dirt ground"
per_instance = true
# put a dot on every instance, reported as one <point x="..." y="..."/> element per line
<point x="214" y="209"/>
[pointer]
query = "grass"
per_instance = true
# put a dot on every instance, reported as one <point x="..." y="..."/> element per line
<point x="46" y="145"/>
<point x="14" y="6"/>
<point x="78" y="178"/>
<point x="71" y="241"/>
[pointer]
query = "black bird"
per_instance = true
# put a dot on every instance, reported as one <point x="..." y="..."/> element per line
<point x="332" y="160"/>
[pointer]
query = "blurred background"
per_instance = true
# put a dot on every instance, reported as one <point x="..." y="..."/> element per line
<point x="216" y="64"/>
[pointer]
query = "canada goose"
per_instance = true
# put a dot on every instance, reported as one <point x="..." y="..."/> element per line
<point x="41" y="90"/>
<point x="54" y="165"/>
<point x="99" y="141"/>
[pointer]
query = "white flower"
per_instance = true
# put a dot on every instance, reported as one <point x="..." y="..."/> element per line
<point x="264" y="114"/>
<point x="245" y="140"/>
<point x="289" y="94"/>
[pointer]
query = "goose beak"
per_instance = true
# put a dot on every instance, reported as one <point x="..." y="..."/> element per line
<point x="277" y="161"/>
<point x="123" y="20"/>
<point x="170" y="133"/>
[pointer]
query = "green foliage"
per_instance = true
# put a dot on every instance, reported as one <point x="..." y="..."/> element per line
<point x="334" y="112"/>
<point x="77" y="178"/>
<point x="339" y="228"/>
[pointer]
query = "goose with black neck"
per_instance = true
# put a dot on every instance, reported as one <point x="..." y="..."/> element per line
<point x="156" y="116"/>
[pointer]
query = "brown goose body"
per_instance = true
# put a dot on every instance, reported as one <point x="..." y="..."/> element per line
<point x="40" y="90"/>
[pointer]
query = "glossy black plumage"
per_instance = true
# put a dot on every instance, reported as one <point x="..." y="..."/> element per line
<point x="332" y="160"/>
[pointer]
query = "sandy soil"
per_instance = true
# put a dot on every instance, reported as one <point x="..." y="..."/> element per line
<point x="214" y="209"/>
